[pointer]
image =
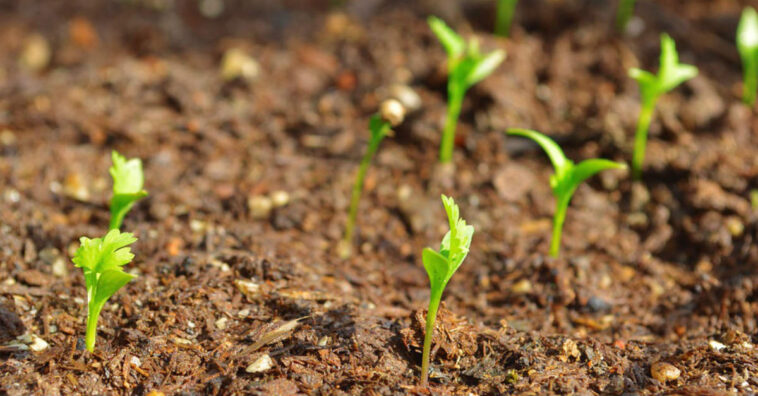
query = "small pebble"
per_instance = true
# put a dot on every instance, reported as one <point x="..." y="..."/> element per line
<point x="36" y="53"/>
<point x="523" y="286"/>
<point x="663" y="371"/>
<point x="263" y="363"/>
<point x="260" y="206"/>
<point x="280" y="198"/>
<point x="249" y="289"/>
<point x="221" y="323"/>
<point x="237" y="64"/>
<point x="716" y="346"/>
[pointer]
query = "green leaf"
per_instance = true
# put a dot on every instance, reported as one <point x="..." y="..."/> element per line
<point x="553" y="151"/>
<point x="672" y="73"/>
<point x="109" y="283"/>
<point x="128" y="181"/>
<point x="484" y="66"/>
<point x="747" y="33"/>
<point x="127" y="175"/>
<point x="437" y="267"/>
<point x="453" y="43"/>
<point x="440" y="266"/>
<point x="590" y="167"/>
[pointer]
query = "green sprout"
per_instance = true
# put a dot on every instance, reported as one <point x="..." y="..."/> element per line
<point x="567" y="177"/>
<point x="466" y="67"/>
<point x="440" y="266"/>
<point x="747" y="44"/>
<point x="504" y="16"/>
<point x="101" y="260"/>
<point x="391" y="114"/>
<point x="127" y="187"/>
<point x="624" y="14"/>
<point x="671" y="73"/>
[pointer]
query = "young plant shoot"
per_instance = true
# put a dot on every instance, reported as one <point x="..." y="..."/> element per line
<point x="391" y="114"/>
<point x="504" y="16"/>
<point x="101" y="260"/>
<point x="624" y="14"/>
<point x="466" y="67"/>
<point x="440" y="266"/>
<point x="567" y="177"/>
<point x="127" y="187"/>
<point x="671" y="73"/>
<point x="747" y="44"/>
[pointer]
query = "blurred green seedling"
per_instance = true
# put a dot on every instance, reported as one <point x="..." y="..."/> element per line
<point x="567" y="177"/>
<point x="466" y="67"/>
<point x="624" y="13"/>
<point x="671" y="74"/>
<point x="128" y="181"/>
<point x="102" y="260"/>
<point x="747" y="44"/>
<point x="390" y="114"/>
<point x="440" y="266"/>
<point x="504" y="16"/>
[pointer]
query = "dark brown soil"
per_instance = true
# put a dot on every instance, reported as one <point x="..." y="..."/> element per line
<point x="655" y="273"/>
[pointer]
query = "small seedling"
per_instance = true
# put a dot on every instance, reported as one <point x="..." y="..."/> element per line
<point x="747" y="44"/>
<point x="504" y="16"/>
<point x="671" y="73"/>
<point x="466" y="67"/>
<point x="101" y="260"/>
<point x="567" y="177"/>
<point x="391" y="114"/>
<point x="127" y="187"/>
<point x="440" y="266"/>
<point x="624" y="14"/>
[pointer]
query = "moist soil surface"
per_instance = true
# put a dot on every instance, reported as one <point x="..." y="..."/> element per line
<point x="240" y="289"/>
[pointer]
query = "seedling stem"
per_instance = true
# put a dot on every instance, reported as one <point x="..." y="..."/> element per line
<point x="504" y="17"/>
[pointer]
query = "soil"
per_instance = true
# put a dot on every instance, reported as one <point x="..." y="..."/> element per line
<point x="655" y="292"/>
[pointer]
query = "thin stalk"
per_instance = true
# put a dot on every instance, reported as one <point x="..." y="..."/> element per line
<point x="455" y="100"/>
<point x="751" y="80"/>
<point x="118" y="218"/>
<point x="355" y="198"/>
<point x="431" y="317"/>
<point x="93" y="313"/>
<point x="504" y="17"/>
<point x="640" y="137"/>
<point x="561" y="205"/>
<point x="624" y="14"/>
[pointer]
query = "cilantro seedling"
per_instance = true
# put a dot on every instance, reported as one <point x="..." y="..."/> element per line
<point x="567" y="177"/>
<point x="440" y="266"/>
<point x="466" y="67"/>
<point x="101" y="260"/>
<point x="747" y="44"/>
<point x="671" y="73"/>
<point x="391" y="114"/>
<point x="624" y="14"/>
<point x="504" y="16"/>
<point x="127" y="187"/>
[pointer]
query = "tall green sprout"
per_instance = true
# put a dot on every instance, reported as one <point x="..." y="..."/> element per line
<point x="747" y="44"/>
<point x="567" y="177"/>
<point x="466" y="67"/>
<point x="504" y="16"/>
<point x="102" y="260"/>
<point x="440" y="266"/>
<point x="391" y="114"/>
<point x="624" y="14"/>
<point x="671" y="74"/>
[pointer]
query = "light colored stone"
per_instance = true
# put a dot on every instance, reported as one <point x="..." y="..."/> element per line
<point x="262" y="364"/>
<point x="663" y="371"/>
